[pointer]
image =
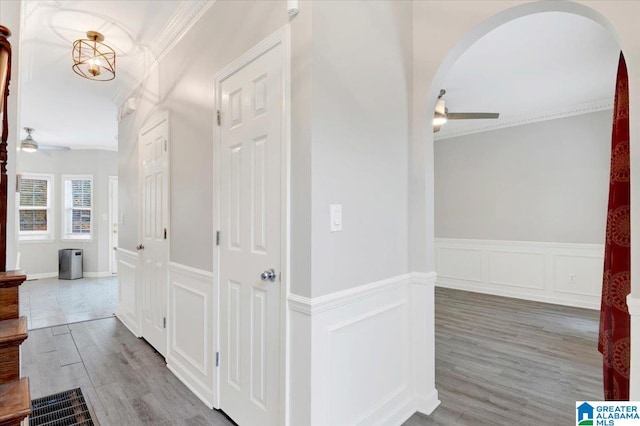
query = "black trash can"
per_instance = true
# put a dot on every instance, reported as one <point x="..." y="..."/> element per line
<point x="70" y="264"/>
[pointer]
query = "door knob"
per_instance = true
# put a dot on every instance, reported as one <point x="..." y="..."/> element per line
<point x="268" y="275"/>
<point x="139" y="247"/>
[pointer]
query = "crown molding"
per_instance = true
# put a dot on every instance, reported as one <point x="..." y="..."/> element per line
<point x="578" y="109"/>
<point x="182" y="20"/>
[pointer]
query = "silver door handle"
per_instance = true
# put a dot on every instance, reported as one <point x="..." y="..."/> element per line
<point x="268" y="275"/>
<point x="139" y="247"/>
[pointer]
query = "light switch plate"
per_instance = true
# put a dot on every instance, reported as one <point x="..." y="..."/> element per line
<point x="335" y="215"/>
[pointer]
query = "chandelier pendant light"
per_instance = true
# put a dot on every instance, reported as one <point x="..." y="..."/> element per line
<point x="92" y="59"/>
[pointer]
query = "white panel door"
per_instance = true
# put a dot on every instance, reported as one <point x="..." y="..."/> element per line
<point x="113" y="224"/>
<point x="154" y="250"/>
<point x="250" y="204"/>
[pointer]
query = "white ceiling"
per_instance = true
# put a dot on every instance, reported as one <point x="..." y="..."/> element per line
<point x="530" y="66"/>
<point x="547" y="62"/>
<point x="64" y="108"/>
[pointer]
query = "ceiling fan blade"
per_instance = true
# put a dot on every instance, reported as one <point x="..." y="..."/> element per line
<point x="53" y="148"/>
<point x="471" y="115"/>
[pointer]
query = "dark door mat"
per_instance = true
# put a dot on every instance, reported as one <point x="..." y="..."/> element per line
<point x="61" y="409"/>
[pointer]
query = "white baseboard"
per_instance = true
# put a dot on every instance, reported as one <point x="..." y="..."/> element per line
<point x="366" y="367"/>
<point x="564" y="274"/>
<point x="98" y="274"/>
<point x="42" y="276"/>
<point x="186" y="379"/>
<point x="55" y="275"/>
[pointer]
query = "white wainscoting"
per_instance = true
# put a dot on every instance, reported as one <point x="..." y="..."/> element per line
<point x="371" y="360"/>
<point x="128" y="293"/>
<point x="565" y="274"/>
<point x="191" y="346"/>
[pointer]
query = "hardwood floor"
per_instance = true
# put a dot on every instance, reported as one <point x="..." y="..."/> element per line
<point x="123" y="378"/>
<point x="503" y="361"/>
<point x="498" y="362"/>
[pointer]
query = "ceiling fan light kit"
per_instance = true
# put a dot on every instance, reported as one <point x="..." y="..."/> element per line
<point x="93" y="59"/>
<point x="28" y="144"/>
<point x="441" y="114"/>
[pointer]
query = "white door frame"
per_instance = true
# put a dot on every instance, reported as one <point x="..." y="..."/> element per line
<point x="281" y="37"/>
<point x="155" y="120"/>
<point x="113" y="263"/>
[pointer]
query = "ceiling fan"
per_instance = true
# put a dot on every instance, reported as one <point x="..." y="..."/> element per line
<point x="442" y="114"/>
<point x="29" y="144"/>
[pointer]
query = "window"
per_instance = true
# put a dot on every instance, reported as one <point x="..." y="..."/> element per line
<point x="35" y="212"/>
<point x="78" y="207"/>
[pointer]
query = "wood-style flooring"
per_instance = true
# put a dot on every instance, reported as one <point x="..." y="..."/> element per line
<point x="123" y="378"/>
<point x="498" y="362"/>
<point x="502" y="361"/>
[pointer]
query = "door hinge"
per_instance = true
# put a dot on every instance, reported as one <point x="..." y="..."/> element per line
<point x="217" y="359"/>
<point x="165" y="233"/>
<point x="165" y="144"/>
<point x="217" y="238"/>
<point x="164" y="322"/>
<point x="218" y="116"/>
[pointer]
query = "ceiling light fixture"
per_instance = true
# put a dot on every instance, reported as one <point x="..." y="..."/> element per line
<point x="92" y="59"/>
<point x="28" y="144"/>
<point x="440" y="114"/>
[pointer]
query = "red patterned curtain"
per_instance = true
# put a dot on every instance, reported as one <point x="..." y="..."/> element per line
<point x="614" y="341"/>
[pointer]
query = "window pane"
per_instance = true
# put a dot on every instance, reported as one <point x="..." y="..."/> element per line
<point x="81" y="193"/>
<point x="81" y="221"/>
<point x="33" y="192"/>
<point x="33" y="220"/>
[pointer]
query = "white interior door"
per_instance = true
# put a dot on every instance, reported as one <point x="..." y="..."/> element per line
<point x="154" y="251"/>
<point x="250" y="220"/>
<point x="113" y="224"/>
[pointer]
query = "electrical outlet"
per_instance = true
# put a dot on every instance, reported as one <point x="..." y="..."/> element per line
<point x="572" y="278"/>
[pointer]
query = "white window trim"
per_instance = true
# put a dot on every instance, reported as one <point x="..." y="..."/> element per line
<point x="39" y="236"/>
<point x="65" y="236"/>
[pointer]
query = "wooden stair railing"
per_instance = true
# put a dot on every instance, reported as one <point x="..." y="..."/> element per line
<point x="15" y="401"/>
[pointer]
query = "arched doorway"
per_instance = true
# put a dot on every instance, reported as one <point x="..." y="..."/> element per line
<point x="441" y="34"/>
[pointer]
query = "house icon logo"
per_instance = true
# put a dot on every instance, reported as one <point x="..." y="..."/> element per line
<point x="585" y="415"/>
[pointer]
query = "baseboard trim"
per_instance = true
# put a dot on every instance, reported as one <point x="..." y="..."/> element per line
<point x="473" y="288"/>
<point x="55" y="275"/>
<point x="98" y="274"/>
<point x="428" y="404"/>
<point x="126" y="323"/>
<point x="187" y="383"/>
<point x="41" y="276"/>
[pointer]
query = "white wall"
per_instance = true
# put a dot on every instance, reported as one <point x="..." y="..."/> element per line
<point x="38" y="259"/>
<point x="547" y="181"/>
